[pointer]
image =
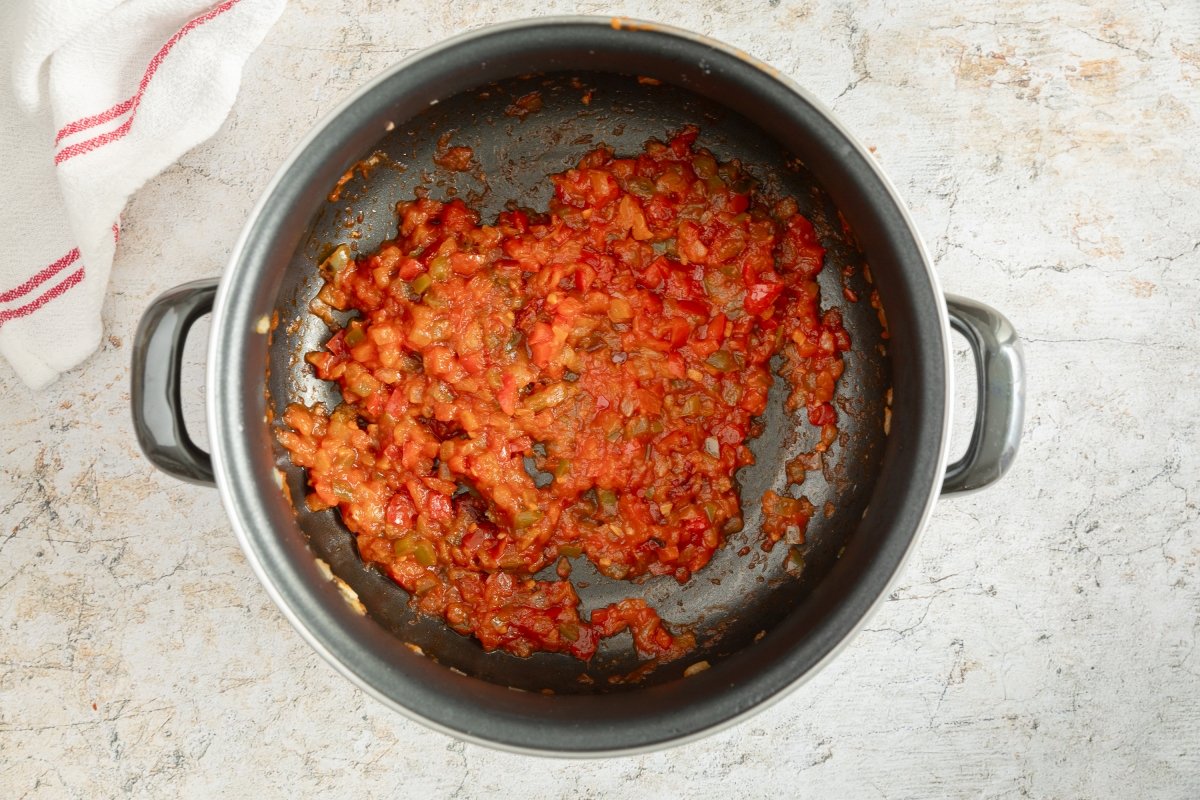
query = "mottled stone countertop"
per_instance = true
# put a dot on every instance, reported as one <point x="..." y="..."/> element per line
<point x="1041" y="642"/>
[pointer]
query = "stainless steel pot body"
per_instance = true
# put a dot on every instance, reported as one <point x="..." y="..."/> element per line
<point x="761" y="627"/>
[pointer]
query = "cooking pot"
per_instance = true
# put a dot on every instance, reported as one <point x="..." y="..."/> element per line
<point x="762" y="623"/>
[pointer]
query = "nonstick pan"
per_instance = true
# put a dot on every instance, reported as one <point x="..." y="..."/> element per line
<point x="762" y="620"/>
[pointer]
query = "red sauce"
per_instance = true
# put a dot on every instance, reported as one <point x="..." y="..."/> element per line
<point x="618" y="343"/>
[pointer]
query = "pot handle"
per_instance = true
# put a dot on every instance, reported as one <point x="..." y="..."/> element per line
<point x="157" y="359"/>
<point x="1000" y="408"/>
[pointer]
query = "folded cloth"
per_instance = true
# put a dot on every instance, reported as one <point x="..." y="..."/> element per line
<point x="96" y="98"/>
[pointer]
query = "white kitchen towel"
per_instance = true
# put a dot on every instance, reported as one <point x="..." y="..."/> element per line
<point x="96" y="98"/>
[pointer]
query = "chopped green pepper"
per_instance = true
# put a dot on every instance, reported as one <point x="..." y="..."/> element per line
<point x="355" y="334"/>
<point x="637" y="426"/>
<point x="705" y="166"/>
<point x="338" y="260"/>
<point x="439" y="268"/>
<point x="693" y="406"/>
<point x="523" y="519"/>
<point x="722" y="360"/>
<point x="608" y="500"/>
<point x="549" y="397"/>
<point x="425" y="554"/>
<point x="421" y="283"/>
<point x="641" y="187"/>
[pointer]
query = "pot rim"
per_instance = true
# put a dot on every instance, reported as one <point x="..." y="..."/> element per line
<point x="226" y="469"/>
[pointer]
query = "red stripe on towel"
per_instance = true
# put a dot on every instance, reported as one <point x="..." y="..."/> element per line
<point x="130" y="105"/>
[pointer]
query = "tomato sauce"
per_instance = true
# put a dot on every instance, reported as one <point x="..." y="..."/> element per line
<point x="579" y="383"/>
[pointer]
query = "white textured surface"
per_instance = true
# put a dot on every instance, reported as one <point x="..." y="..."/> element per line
<point x="1042" y="641"/>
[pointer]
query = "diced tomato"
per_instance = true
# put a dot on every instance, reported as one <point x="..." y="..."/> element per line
<point x="474" y="363"/>
<point x="679" y="329"/>
<point x="337" y="343"/>
<point x="439" y="507"/>
<point x="621" y="342"/>
<point x="400" y="511"/>
<point x="716" y="329"/>
<point x="457" y="217"/>
<point x="507" y="396"/>
<point x="822" y="414"/>
<point x="761" y="296"/>
<point x="540" y="341"/>
<point x="738" y="203"/>
<point x="584" y="276"/>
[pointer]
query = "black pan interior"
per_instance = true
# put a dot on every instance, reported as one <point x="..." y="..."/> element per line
<point x="744" y="591"/>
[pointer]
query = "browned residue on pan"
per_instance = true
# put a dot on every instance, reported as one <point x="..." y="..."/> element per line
<point x="269" y="417"/>
<point x="364" y="169"/>
<point x="877" y="304"/>
<point x="525" y="105"/>
<point x="455" y="159"/>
